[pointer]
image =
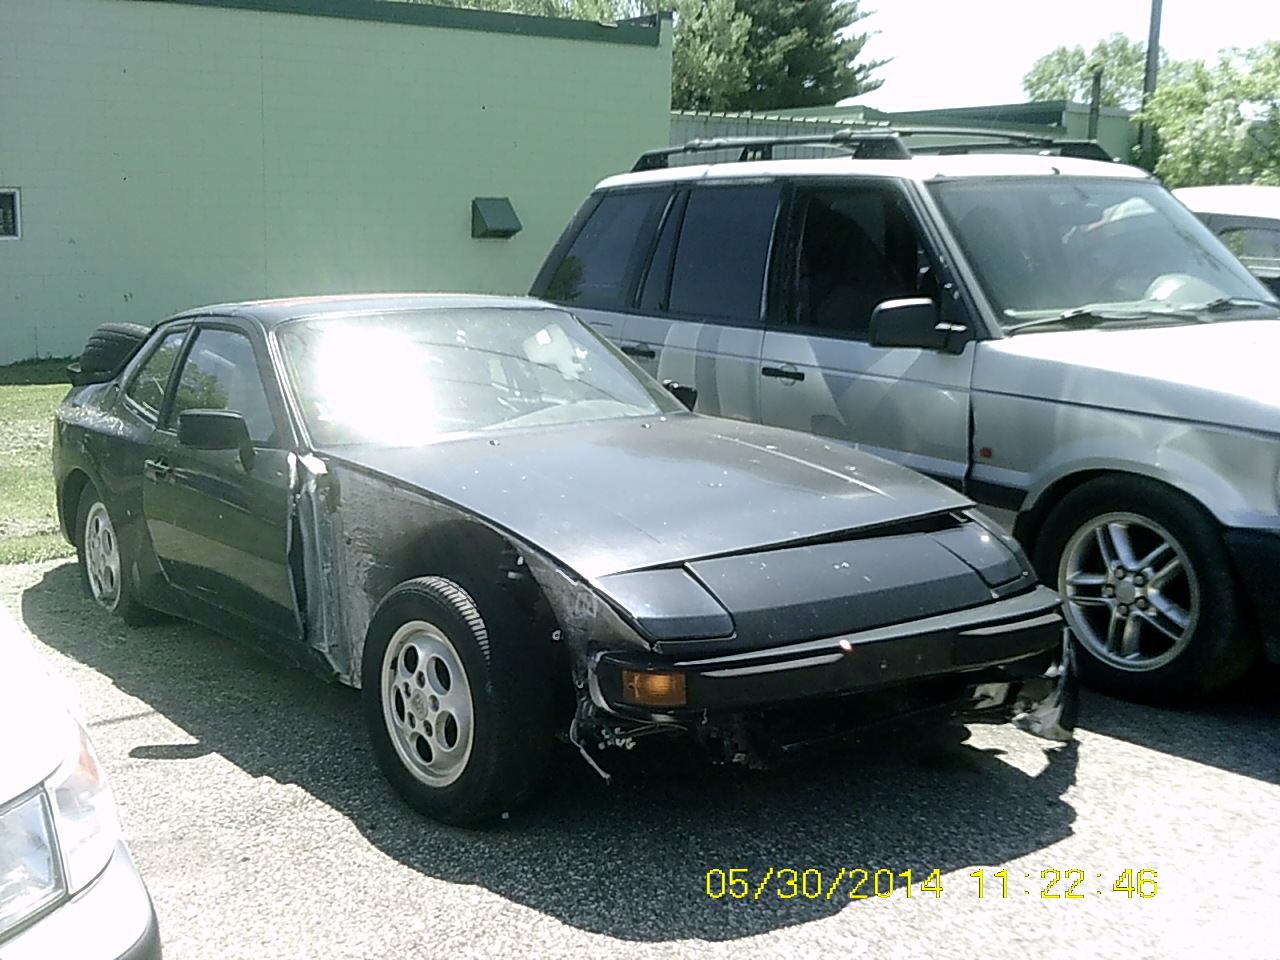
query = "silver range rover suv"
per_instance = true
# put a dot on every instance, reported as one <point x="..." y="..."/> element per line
<point x="1056" y="337"/>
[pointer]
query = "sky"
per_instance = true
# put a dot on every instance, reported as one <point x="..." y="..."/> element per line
<point x="953" y="53"/>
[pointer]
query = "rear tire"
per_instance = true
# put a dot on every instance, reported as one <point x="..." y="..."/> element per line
<point x="456" y="701"/>
<point x="105" y="566"/>
<point x="1147" y="590"/>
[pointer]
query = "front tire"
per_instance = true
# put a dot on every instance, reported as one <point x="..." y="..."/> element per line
<point x="104" y="563"/>
<point x="456" y="701"/>
<point x="1147" y="590"/>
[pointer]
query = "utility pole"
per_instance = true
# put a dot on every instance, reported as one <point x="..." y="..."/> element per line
<point x="1149" y="77"/>
<point x="1095" y="101"/>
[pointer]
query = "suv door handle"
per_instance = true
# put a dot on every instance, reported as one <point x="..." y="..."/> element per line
<point x="782" y="374"/>
<point x="156" y="469"/>
<point x="640" y="351"/>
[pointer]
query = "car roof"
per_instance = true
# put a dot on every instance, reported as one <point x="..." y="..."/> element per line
<point x="1233" y="200"/>
<point x="922" y="168"/>
<point x="269" y="313"/>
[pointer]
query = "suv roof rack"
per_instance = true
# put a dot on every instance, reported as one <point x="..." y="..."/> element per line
<point x="981" y="139"/>
<point x="875" y="143"/>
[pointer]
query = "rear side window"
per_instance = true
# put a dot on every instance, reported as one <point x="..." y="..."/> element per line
<point x="600" y="267"/>
<point x="723" y="253"/>
<point x="1257" y="247"/>
<point x="147" y="388"/>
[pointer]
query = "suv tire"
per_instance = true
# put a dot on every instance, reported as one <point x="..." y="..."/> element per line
<point x="1147" y="589"/>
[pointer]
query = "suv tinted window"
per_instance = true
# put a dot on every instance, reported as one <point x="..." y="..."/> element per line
<point x="857" y="249"/>
<point x="600" y="266"/>
<point x="723" y="252"/>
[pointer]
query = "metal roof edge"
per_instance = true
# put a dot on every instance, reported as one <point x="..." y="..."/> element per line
<point x="641" y="31"/>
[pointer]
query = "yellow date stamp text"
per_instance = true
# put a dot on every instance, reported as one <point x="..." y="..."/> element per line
<point x="862" y="883"/>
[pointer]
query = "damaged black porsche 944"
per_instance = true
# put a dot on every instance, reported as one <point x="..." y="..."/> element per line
<point x="492" y="522"/>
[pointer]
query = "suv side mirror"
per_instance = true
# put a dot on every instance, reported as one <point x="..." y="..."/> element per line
<point x="682" y="392"/>
<point x="910" y="322"/>
<point x="216" y="430"/>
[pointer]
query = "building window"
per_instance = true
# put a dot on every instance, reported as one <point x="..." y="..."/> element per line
<point x="10" y="224"/>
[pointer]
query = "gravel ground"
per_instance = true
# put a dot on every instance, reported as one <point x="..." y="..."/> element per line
<point x="253" y="808"/>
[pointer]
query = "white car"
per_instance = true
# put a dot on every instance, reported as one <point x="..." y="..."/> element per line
<point x="1247" y="219"/>
<point x="68" y="886"/>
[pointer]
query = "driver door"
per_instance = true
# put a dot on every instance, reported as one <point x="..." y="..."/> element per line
<point x="859" y="245"/>
<point x="220" y="523"/>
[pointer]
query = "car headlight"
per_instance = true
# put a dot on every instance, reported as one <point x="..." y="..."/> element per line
<point x="30" y="873"/>
<point x="57" y="838"/>
<point x="668" y="604"/>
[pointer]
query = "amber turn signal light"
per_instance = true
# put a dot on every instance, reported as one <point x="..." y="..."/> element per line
<point x="654" y="688"/>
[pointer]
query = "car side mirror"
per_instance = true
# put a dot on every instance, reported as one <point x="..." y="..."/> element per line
<point x="910" y="322"/>
<point x="216" y="430"/>
<point x="682" y="392"/>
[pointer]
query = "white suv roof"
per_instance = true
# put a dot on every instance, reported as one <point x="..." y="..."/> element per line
<point x="925" y="167"/>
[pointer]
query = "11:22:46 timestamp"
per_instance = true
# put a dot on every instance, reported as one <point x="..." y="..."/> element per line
<point x="1067" y="884"/>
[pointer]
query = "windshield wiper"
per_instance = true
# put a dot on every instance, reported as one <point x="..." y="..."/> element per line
<point x="1082" y="317"/>
<point x="1222" y="304"/>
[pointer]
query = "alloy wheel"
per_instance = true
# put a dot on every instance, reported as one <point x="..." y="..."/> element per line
<point x="1131" y="594"/>
<point x="102" y="556"/>
<point x="427" y="703"/>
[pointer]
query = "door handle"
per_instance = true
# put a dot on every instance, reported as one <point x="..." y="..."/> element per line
<point x="156" y="469"/>
<point x="782" y="374"/>
<point x="640" y="351"/>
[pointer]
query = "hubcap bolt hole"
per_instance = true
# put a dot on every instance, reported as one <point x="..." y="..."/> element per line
<point x="1123" y="610"/>
<point x="435" y="704"/>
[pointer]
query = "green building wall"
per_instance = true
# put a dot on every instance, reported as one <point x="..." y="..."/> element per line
<point x="171" y="153"/>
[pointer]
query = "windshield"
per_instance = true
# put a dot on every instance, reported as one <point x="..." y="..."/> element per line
<point x="1050" y="246"/>
<point x="413" y="377"/>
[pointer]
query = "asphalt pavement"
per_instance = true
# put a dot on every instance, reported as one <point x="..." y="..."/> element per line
<point x="251" y="802"/>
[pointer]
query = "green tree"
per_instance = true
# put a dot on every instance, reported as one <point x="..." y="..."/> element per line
<point x="1066" y="73"/>
<point x="709" y="69"/>
<point x="802" y="53"/>
<point x="1220" y="123"/>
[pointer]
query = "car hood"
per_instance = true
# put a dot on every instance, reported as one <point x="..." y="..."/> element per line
<point x="1221" y="373"/>
<point x="607" y="496"/>
<point x="38" y="731"/>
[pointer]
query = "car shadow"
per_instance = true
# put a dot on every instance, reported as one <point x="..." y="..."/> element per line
<point x="635" y="860"/>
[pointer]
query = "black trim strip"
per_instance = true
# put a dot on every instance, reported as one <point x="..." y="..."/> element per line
<point x="995" y="494"/>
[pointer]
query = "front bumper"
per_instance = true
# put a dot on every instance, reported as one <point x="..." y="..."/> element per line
<point x="1256" y="556"/>
<point x="982" y="658"/>
<point x="111" y="919"/>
